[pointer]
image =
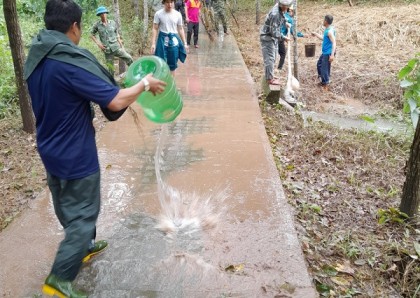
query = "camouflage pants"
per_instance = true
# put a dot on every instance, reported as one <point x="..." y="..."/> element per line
<point x="120" y="53"/>
<point x="220" y="16"/>
<point x="269" y="51"/>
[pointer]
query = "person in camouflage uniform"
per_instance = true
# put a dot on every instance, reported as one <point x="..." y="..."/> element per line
<point x="110" y="42"/>
<point x="219" y="14"/>
<point x="270" y="34"/>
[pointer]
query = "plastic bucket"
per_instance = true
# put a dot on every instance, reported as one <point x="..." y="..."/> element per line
<point x="310" y="49"/>
<point x="159" y="108"/>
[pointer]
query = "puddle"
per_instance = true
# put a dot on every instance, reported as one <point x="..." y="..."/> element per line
<point x="368" y="124"/>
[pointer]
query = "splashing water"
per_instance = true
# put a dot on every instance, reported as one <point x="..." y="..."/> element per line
<point x="188" y="212"/>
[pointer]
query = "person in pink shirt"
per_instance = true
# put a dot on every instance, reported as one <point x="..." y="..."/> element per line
<point x="192" y="16"/>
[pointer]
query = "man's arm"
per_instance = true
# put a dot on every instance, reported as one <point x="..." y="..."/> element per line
<point x="127" y="96"/>
<point x="100" y="45"/>
<point x="187" y="19"/>
<point x="181" y="33"/>
<point x="93" y="37"/>
<point x="317" y="35"/>
<point x="154" y="34"/>
<point x="334" y="45"/>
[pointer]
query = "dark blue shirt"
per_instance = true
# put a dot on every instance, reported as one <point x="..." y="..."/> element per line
<point x="61" y="95"/>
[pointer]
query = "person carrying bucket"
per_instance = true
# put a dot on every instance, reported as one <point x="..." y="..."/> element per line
<point x="328" y="52"/>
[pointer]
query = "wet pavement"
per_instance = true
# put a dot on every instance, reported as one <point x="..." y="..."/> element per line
<point x="217" y="224"/>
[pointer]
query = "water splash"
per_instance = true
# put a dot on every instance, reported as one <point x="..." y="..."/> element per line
<point x="182" y="211"/>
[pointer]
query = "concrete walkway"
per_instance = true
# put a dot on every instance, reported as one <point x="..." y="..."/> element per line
<point x="230" y="231"/>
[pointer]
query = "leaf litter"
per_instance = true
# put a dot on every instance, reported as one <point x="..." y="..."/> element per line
<point x="345" y="185"/>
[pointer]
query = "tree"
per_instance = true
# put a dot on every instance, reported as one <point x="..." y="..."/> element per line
<point x="145" y="16"/>
<point x="295" y="44"/>
<point x="410" y="80"/>
<point x="117" y="18"/>
<point x="18" y="56"/>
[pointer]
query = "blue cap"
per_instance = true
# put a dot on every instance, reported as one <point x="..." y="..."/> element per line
<point x="101" y="10"/>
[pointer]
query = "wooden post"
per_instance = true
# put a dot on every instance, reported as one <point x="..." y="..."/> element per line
<point x="257" y="12"/>
<point x="121" y="64"/>
<point x="295" y="47"/>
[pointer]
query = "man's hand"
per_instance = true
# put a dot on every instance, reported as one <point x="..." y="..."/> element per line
<point x="152" y="49"/>
<point x="156" y="86"/>
<point x="102" y="47"/>
<point x="331" y="59"/>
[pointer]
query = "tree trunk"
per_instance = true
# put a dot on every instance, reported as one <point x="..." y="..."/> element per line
<point x="18" y="55"/>
<point x="136" y="8"/>
<point x="411" y="190"/>
<point x="295" y="47"/>
<point x="257" y="12"/>
<point x="145" y="16"/>
<point x="121" y="64"/>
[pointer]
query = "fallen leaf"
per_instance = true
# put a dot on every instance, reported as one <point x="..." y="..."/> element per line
<point x="360" y="262"/>
<point x="235" y="268"/>
<point x="417" y="248"/>
<point x="341" y="281"/>
<point x="345" y="268"/>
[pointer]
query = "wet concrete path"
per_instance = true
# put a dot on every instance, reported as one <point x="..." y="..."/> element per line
<point x="236" y="236"/>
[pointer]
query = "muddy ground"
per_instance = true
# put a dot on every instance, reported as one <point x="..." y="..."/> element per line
<point x="337" y="181"/>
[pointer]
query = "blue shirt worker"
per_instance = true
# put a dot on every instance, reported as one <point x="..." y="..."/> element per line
<point x="63" y="81"/>
<point x="110" y="41"/>
<point x="288" y="15"/>
<point x="328" y="52"/>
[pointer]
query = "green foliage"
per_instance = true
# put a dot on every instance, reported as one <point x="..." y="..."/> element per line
<point x="409" y="77"/>
<point x="392" y="215"/>
<point x="139" y="35"/>
<point x="8" y="101"/>
<point x="31" y="8"/>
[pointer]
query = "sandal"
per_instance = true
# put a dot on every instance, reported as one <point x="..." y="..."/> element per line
<point x="273" y="82"/>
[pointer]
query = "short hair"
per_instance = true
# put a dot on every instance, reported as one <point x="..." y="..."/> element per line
<point x="329" y="19"/>
<point x="61" y="14"/>
<point x="164" y="1"/>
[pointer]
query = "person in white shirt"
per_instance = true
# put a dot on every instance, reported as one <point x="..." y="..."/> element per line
<point x="168" y="36"/>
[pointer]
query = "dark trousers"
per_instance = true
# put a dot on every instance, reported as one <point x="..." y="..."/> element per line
<point x="76" y="204"/>
<point x="192" y="28"/>
<point x="324" y="68"/>
<point x="282" y="53"/>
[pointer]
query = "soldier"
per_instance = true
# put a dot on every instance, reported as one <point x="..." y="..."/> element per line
<point x="219" y="14"/>
<point x="110" y="42"/>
